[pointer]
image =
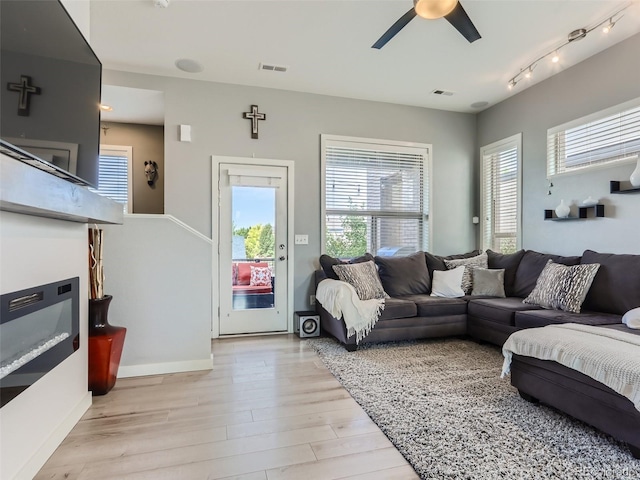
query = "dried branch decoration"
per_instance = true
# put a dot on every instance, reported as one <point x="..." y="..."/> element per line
<point x="96" y="272"/>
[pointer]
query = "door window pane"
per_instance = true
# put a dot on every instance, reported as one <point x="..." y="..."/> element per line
<point x="253" y="253"/>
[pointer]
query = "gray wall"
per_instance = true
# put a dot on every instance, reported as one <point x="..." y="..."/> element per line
<point x="292" y="132"/>
<point x="147" y="142"/>
<point x="604" y="80"/>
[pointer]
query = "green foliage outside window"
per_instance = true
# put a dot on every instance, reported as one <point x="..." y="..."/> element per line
<point x="259" y="240"/>
<point x="353" y="240"/>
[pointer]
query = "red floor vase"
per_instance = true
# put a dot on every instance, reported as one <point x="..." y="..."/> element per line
<point x="105" y="347"/>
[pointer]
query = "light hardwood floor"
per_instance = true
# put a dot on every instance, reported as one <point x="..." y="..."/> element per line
<point x="269" y="410"/>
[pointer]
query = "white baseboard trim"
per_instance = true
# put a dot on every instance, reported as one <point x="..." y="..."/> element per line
<point x="126" y="371"/>
<point x="49" y="446"/>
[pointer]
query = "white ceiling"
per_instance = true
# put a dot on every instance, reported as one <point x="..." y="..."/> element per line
<point x="327" y="46"/>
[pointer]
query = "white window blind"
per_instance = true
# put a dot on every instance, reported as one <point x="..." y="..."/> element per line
<point x="375" y="197"/>
<point x="113" y="174"/>
<point x="501" y="195"/>
<point x="609" y="136"/>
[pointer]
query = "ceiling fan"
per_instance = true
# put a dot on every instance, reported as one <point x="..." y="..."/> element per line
<point x="451" y="10"/>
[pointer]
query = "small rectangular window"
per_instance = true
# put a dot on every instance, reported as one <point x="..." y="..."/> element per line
<point x="114" y="174"/>
<point x="609" y="136"/>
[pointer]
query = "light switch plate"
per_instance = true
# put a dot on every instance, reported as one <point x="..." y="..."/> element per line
<point x="301" y="239"/>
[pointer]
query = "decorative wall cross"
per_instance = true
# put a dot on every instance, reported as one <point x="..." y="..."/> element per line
<point x="254" y="116"/>
<point x="25" y="89"/>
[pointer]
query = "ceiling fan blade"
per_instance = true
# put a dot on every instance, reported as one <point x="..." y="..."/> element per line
<point x="461" y="22"/>
<point x="395" y="28"/>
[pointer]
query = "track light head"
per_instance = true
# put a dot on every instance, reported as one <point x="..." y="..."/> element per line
<point x="607" y="28"/>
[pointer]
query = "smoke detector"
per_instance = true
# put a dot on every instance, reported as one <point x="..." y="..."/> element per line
<point x="161" y="3"/>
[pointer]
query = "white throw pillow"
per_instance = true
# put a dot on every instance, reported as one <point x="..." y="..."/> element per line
<point x="448" y="283"/>
<point x="632" y="318"/>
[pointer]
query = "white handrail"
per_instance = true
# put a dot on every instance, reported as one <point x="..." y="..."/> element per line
<point x="174" y="220"/>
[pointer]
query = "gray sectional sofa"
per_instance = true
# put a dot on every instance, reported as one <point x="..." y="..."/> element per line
<point x="411" y="313"/>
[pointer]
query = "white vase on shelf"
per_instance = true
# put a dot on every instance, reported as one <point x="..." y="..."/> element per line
<point x="635" y="176"/>
<point x="563" y="210"/>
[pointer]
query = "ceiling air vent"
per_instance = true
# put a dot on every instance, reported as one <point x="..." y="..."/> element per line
<point x="442" y="92"/>
<point x="272" y="68"/>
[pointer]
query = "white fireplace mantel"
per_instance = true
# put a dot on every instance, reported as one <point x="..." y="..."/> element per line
<point x="27" y="190"/>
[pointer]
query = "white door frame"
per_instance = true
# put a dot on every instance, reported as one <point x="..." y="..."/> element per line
<point x="215" y="204"/>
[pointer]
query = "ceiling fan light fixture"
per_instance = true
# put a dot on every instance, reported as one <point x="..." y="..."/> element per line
<point x="433" y="9"/>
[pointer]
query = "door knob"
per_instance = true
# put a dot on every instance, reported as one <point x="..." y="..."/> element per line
<point x="281" y="258"/>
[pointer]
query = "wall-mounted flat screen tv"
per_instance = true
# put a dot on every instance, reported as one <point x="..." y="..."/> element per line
<point x="50" y="92"/>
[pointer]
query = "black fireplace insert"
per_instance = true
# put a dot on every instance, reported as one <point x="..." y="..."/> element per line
<point x="39" y="328"/>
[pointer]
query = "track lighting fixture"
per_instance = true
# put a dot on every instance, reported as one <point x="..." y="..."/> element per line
<point x="607" y="24"/>
<point x="607" y="28"/>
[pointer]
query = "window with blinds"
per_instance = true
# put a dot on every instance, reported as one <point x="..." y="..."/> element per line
<point x="114" y="174"/>
<point x="612" y="135"/>
<point x="375" y="197"/>
<point x="500" y="190"/>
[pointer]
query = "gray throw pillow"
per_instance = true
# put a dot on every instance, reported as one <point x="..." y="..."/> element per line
<point x="404" y="275"/>
<point x="560" y="287"/>
<point x="363" y="277"/>
<point x="469" y="263"/>
<point x="488" y="282"/>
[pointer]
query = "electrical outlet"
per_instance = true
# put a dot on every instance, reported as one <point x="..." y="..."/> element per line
<point x="312" y="299"/>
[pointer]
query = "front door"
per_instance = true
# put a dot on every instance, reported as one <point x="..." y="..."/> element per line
<point x="253" y="250"/>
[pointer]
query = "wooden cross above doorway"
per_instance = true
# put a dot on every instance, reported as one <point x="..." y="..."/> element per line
<point x="254" y="116"/>
<point x="25" y="88"/>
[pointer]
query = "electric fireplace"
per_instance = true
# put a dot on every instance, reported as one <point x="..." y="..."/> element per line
<point x="39" y="328"/>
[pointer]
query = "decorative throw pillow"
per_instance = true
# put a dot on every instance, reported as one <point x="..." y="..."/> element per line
<point x="632" y="318"/>
<point x="260" y="276"/>
<point x="510" y="264"/>
<point x="488" y="282"/>
<point x="363" y="277"/>
<point x="436" y="262"/>
<point x="560" y="287"/>
<point x="327" y="263"/>
<point x="448" y="283"/>
<point x="404" y="275"/>
<point x="469" y="263"/>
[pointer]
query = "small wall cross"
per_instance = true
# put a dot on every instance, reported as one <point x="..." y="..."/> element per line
<point x="26" y="90"/>
<point x="254" y="116"/>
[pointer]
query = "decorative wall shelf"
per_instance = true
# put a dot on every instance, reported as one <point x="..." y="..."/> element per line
<point x="614" y="187"/>
<point x="583" y="212"/>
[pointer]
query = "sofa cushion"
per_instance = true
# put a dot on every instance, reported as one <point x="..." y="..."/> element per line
<point x="540" y="318"/>
<point x="488" y="282"/>
<point x="509" y="263"/>
<point x="436" y="262"/>
<point x="561" y="287"/>
<point x="531" y="266"/>
<point x="622" y="328"/>
<point x="616" y="286"/>
<point x="429" y="306"/>
<point x="404" y="275"/>
<point x="363" y="277"/>
<point x="498" y="310"/>
<point x="327" y="263"/>
<point x="398" y="308"/>
<point x="469" y="264"/>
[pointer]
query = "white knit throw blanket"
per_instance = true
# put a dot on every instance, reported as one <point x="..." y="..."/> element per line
<point x="341" y="300"/>
<point x="609" y="356"/>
